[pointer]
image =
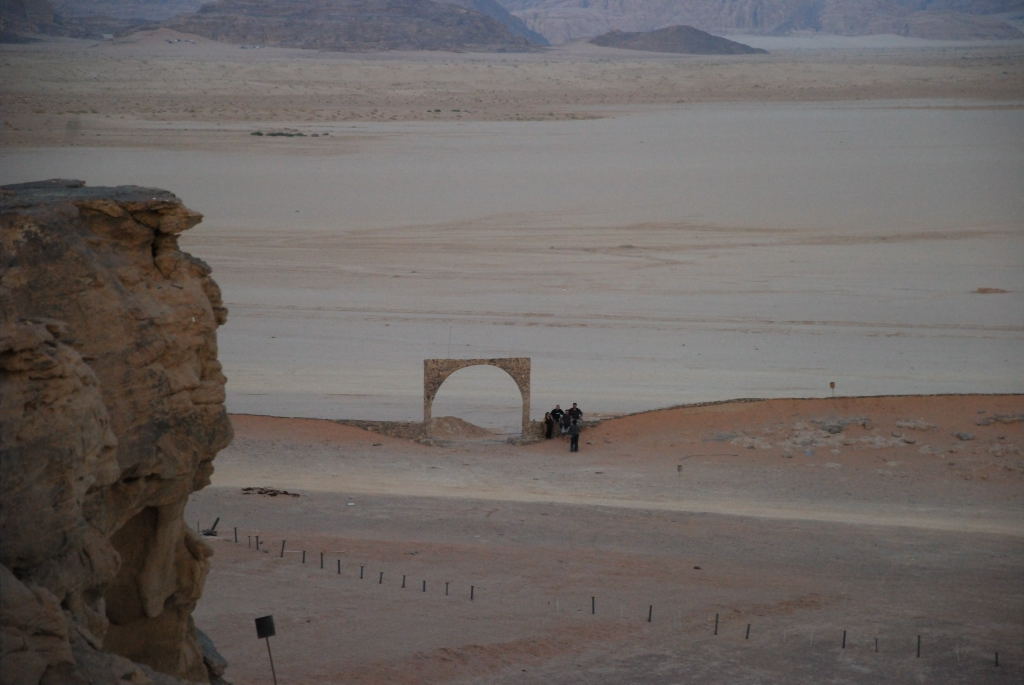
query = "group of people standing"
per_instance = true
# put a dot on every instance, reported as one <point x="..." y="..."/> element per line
<point x="568" y="422"/>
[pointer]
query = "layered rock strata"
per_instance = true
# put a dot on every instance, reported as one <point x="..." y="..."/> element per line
<point x="111" y="411"/>
<point x="561" y="21"/>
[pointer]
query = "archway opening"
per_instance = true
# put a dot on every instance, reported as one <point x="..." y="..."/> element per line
<point x="484" y="396"/>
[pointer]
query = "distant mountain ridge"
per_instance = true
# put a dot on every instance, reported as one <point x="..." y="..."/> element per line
<point x="161" y="10"/>
<point x="350" y="25"/>
<point x="680" y="39"/>
<point x="565" y="20"/>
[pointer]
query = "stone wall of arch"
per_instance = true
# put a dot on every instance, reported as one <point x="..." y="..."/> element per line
<point x="436" y="371"/>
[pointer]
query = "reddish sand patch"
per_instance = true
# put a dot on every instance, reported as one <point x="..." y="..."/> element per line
<point x="885" y="517"/>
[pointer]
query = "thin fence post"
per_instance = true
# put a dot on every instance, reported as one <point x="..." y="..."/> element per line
<point x="716" y="624"/>
<point x="424" y="586"/>
<point x="321" y="559"/>
<point x="403" y="580"/>
<point x="380" y="580"/>
<point x="876" y="644"/>
<point x="361" y="572"/>
<point x="303" y="556"/>
<point x="446" y="588"/>
<point x="248" y="542"/>
<point x="257" y="543"/>
<point x="844" y="639"/>
<point x="593" y="605"/>
<point x="650" y="612"/>
<point x="339" y="567"/>
<point x="472" y="591"/>
<point x="918" y="646"/>
<point x="282" y="548"/>
<point x="747" y="637"/>
<point x="236" y="534"/>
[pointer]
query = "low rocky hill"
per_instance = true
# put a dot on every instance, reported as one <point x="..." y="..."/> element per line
<point x="111" y="411"/>
<point x="351" y="25"/>
<point x="564" y="20"/>
<point x="679" y="39"/>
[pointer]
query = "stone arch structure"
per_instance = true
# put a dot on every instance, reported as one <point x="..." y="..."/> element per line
<point x="436" y="371"/>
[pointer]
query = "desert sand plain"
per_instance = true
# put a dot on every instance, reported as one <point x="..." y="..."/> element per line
<point x="651" y="230"/>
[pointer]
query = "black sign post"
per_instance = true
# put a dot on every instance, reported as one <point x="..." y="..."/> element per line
<point x="265" y="629"/>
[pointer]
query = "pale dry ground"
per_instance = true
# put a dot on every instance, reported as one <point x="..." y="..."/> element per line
<point x="649" y="229"/>
<point x="889" y="526"/>
<point x="142" y="90"/>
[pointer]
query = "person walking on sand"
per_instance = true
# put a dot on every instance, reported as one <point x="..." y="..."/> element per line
<point x="574" y="436"/>
<point x="575" y="413"/>
<point x="549" y="425"/>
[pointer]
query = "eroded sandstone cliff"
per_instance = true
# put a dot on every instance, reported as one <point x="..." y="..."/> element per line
<point x="111" y="411"/>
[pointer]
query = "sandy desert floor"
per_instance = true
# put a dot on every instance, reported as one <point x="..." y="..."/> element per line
<point x="649" y="229"/>
<point x="886" y="518"/>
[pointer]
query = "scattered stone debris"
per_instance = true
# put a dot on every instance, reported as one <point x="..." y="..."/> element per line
<point x="1000" y="418"/>
<point x="836" y="425"/>
<point x="915" y="425"/>
<point x="269" y="492"/>
<point x="964" y="436"/>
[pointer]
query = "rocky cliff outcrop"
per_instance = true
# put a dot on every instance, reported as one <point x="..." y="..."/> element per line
<point x="678" y="39"/>
<point x="564" y="20"/>
<point x="495" y="11"/>
<point x="350" y="25"/>
<point x="26" y="17"/>
<point x="111" y="411"/>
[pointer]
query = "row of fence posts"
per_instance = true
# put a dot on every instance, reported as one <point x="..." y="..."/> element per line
<point x="472" y="592"/>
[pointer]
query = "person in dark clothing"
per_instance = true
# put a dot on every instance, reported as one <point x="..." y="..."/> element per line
<point x="556" y="416"/>
<point x="549" y="425"/>
<point x="574" y="436"/>
<point x="575" y="413"/>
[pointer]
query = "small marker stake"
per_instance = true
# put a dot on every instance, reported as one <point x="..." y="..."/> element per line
<point x="303" y="556"/>
<point x="424" y="586"/>
<point x="339" y="567"/>
<point x="403" y="580"/>
<point x="446" y="588"/>
<point x="918" y="646"/>
<point x="844" y="639"/>
<point x="650" y="612"/>
<point x="472" y="591"/>
<point x="716" y="624"/>
<point x="380" y="580"/>
<point x="321" y="559"/>
<point x="593" y="605"/>
<point x="282" y="548"/>
<point x="997" y="659"/>
<point x="876" y="644"/>
<point x="248" y="543"/>
<point x="258" y="545"/>
<point x="361" y="572"/>
<point x="748" y="632"/>
<point x="236" y="534"/>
